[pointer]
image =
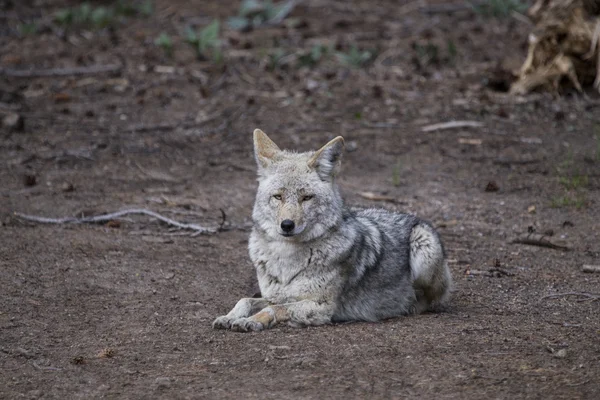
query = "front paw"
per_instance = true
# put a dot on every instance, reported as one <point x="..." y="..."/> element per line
<point x="246" y="325"/>
<point x="223" y="322"/>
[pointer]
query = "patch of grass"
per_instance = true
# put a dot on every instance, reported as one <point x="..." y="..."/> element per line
<point x="313" y="56"/>
<point x="254" y="13"/>
<point x="100" y="17"/>
<point x="579" y="201"/>
<point x="500" y="8"/>
<point x="28" y="29"/>
<point x="426" y="54"/>
<point x="275" y="59"/>
<point x="164" y="42"/>
<point x="574" y="182"/>
<point x="146" y="8"/>
<point x="452" y="51"/>
<point x="206" y="42"/>
<point x="355" y="57"/>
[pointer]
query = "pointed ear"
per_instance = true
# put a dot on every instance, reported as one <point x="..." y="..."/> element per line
<point x="265" y="149"/>
<point x="327" y="159"/>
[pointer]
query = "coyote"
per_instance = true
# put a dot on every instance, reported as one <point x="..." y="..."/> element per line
<point x="318" y="262"/>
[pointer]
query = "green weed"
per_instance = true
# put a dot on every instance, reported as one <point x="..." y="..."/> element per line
<point x="206" y="42"/>
<point x="355" y="57"/>
<point x="255" y="13"/>
<point x="164" y="41"/>
<point x="500" y="8"/>
<point x="426" y="54"/>
<point x="579" y="201"/>
<point x="275" y="59"/>
<point x="574" y="182"/>
<point x="100" y="17"/>
<point x="28" y="29"/>
<point x="312" y="57"/>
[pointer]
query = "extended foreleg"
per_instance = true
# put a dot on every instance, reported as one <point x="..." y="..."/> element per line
<point x="300" y="313"/>
<point x="244" y="308"/>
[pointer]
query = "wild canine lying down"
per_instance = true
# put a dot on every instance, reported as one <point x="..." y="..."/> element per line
<point x="319" y="262"/>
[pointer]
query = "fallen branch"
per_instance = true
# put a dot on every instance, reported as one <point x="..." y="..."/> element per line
<point x="591" y="268"/>
<point x="451" y="125"/>
<point x="588" y="296"/>
<point x="36" y="73"/>
<point x="108" y="217"/>
<point x="536" y="239"/>
<point x="378" y="197"/>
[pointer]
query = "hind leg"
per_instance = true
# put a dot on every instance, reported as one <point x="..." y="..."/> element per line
<point x="431" y="277"/>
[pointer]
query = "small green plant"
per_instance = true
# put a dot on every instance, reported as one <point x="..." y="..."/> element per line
<point x="275" y="59"/>
<point x="101" y="17"/>
<point x="355" y="57"/>
<point x="28" y="29"/>
<point x="312" y="57"/>
<point x="499" y="8"/>
<point x="579" y="201"/>
<point x="574" y="182"/>
<point x="206" y="42"/>
<point x="452" y="52"/>
<point x="164" y="42"/>
<point x="146" y="8"/>
<point x="254" y="13"/>
<point x="426" y="54"/>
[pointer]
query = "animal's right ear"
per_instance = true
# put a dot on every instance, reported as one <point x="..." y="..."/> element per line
<point x="265" y="149"/>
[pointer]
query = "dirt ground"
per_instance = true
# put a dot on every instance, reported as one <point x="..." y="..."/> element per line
<point x="124" y="309"/>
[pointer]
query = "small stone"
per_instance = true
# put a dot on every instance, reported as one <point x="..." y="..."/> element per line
<point x="492" y="186"/>
<point x="67" y="187"/>
<point x="29" y="180"/>
<point x="562" y="353"/>
<point x="163" y="382"/>
<point x="351" y="146"/>
<point x="24" y="352"/>
<point x="13" y="122"/>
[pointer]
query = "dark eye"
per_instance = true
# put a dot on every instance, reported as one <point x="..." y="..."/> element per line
<point x="277" y="196"/>
<point x="307" y="197"/>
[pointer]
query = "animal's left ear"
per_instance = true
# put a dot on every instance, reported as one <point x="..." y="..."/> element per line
<point x="327" y="159"/>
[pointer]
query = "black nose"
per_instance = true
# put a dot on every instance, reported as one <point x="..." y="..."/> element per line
<point x="287" y="225"/>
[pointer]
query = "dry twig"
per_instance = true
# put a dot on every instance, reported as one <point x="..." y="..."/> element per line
<point x="378" y="197"/>
<point x="451" y="125"/>
<point x="591" y="268"/>
<point x="536" y="239"/>
<point x="111" y="216"/>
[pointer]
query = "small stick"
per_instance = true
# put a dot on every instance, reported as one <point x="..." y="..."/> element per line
<point x="591" y="268"/>
<point x="451" y="125"/>
<point x="36" y="73"/>
<point x="378" y="197"/>
<point x="107" y="217"/>
<point x="535" y="239"/>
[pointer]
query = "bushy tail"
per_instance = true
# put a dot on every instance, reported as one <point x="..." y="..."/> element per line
<point x="431" y="275"/>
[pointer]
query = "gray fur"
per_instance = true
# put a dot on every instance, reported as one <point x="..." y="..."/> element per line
<point x="339" y="264"/>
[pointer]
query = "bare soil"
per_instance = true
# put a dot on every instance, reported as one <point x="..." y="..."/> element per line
<point x="124" y="309"/>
